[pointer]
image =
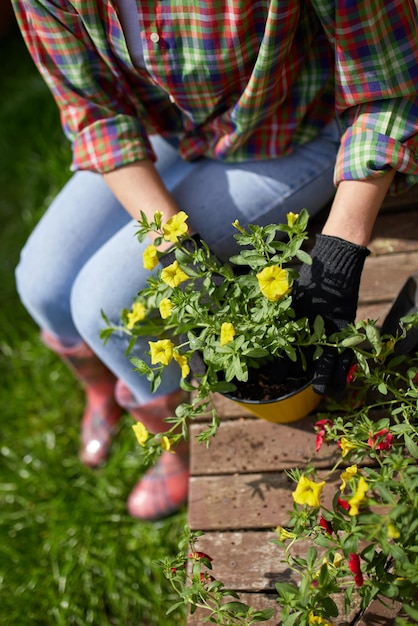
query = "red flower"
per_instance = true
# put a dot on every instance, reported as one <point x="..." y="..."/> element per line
<point x="326" y="525"/>
<point x="343" y="504"/>
<point x="206" y="578"/>
<point x="354" y="566"/>
<point x="320" y="427"/>
<point x="351" y="376"/>
<point x="385" y="437"/>
<point x="199" y="555"/>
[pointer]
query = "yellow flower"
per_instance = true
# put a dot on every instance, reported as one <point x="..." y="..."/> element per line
<point x="165" y="443"/>
<point x="238" y="226"/>
<point x="161" y="351"/>
<point x="284" y="534"/>
<point x="136" y="315"/>
<point x="141" y="433"/>
<point x="173" y="275"/>
<point x="291" y="218"/>
<point x="175" y="227"/>
<point x="166" y="307"/>
<point x="181" y="359"/>
<point x="346" y="446"/>
<point x="392" y="532"/>
<point x="358" y="497"/>
<point x="347" y="475"/>
<point x="308" y="492"/>
<point x="158" y="216"/>
<point x="150" y="257"/>
<point x="227" y="333"/>
<point x="273" y="282"/>
<point x="317" y="619"/>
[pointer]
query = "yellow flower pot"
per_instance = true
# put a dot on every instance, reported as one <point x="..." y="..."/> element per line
<point x="290" y="408"/>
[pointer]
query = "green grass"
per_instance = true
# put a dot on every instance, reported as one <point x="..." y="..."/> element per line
<point x="69" y="553"/>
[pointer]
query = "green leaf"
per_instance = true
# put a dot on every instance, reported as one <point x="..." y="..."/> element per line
<point x="140" y="365"/>
<point x="373" y="336"/>
<point x="411" y="446"/>
<point x="382" y="388"/>
<point x="330" y="607"/>
<point x="263" y="616"/>
<point x="304" y="257"/>
<point x="353" y="340"/>
<point x="239" y="608"/>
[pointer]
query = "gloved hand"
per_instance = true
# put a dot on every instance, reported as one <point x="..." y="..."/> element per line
<point x="329" y="288"/>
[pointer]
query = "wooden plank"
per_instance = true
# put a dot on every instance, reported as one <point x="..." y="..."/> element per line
<point x="395" y="233"/>
<point x="403" y="201"/>
<point x="255" y="445"/>
<point x="372" y="311"/>
<point x="245" y="501"/>
<point x="247" y="560"/>
<point x="379" y="615"/>
<point x="384" y="276"/>
<point x="249" y="563"/>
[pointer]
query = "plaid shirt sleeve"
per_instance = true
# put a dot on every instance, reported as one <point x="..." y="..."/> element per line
<point x="87" y="91"/>
<point x="376" y="56"/>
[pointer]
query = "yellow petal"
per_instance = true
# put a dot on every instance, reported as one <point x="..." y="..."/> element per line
<point x="150" y="257"/>
<point x="308" y="492"/>
<point x="347" y="475"/>
<point x="136" y="315"/>
<point x="227" y="333"/>
<point x="161" y="351"/>
<point x="141" y="433"/>
<point x="175" y="227"/>
<point x="291" y="218"/>
<point x="166" y="307"/>
<point x="173" y="275"/>
<point x="273" y="282"/>
<point x="181" y="360"/>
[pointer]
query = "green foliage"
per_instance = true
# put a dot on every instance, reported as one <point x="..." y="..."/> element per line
<point x="190" y="574"/>
<point x="367" y="540"/>
<point x="228" y="323"/>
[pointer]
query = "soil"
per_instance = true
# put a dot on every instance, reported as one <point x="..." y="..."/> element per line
<point x="272" y="381"/>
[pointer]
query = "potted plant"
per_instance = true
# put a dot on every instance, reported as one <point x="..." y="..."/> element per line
<point x="235" y="330"/>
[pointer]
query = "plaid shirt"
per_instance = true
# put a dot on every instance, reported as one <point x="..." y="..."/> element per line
<point x="234" y="79"/>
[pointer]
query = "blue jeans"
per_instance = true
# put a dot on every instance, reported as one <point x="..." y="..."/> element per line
<point x="83" y="256"/>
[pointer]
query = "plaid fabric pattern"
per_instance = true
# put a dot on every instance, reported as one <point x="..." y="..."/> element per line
<point x="234" y="79"/>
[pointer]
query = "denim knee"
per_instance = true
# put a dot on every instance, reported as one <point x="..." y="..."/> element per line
<point x="45" y="295"/>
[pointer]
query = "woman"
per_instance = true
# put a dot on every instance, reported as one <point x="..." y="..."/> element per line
<point x="229" y="110"/>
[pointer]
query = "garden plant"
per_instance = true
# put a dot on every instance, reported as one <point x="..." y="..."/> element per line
<point x="361" y="517"/>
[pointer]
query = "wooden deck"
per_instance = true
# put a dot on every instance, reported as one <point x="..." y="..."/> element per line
<point x="239" y="491"/>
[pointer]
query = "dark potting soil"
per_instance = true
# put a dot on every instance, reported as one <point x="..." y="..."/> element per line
<point x="272" y="381"/>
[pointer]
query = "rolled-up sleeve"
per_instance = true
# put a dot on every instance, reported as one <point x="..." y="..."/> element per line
<point x="97" y="115"/>
<point x="376" y="56"/>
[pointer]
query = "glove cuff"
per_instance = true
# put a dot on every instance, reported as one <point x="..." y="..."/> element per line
<point x="344" y="259"/>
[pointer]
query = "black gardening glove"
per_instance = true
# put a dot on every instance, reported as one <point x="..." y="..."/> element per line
<point x="329" y="288"/>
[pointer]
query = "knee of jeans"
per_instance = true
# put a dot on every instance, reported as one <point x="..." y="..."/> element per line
<point x="90" y="296"/>
<point x="41" y="292"/>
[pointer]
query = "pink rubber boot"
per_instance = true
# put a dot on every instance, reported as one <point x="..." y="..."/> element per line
<point x="101" y="413"/>
<point x="163" y="489"/>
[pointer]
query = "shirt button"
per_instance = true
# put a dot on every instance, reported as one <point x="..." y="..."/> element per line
<point x="171" y="98"/>
<point x="155" y="37"/>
